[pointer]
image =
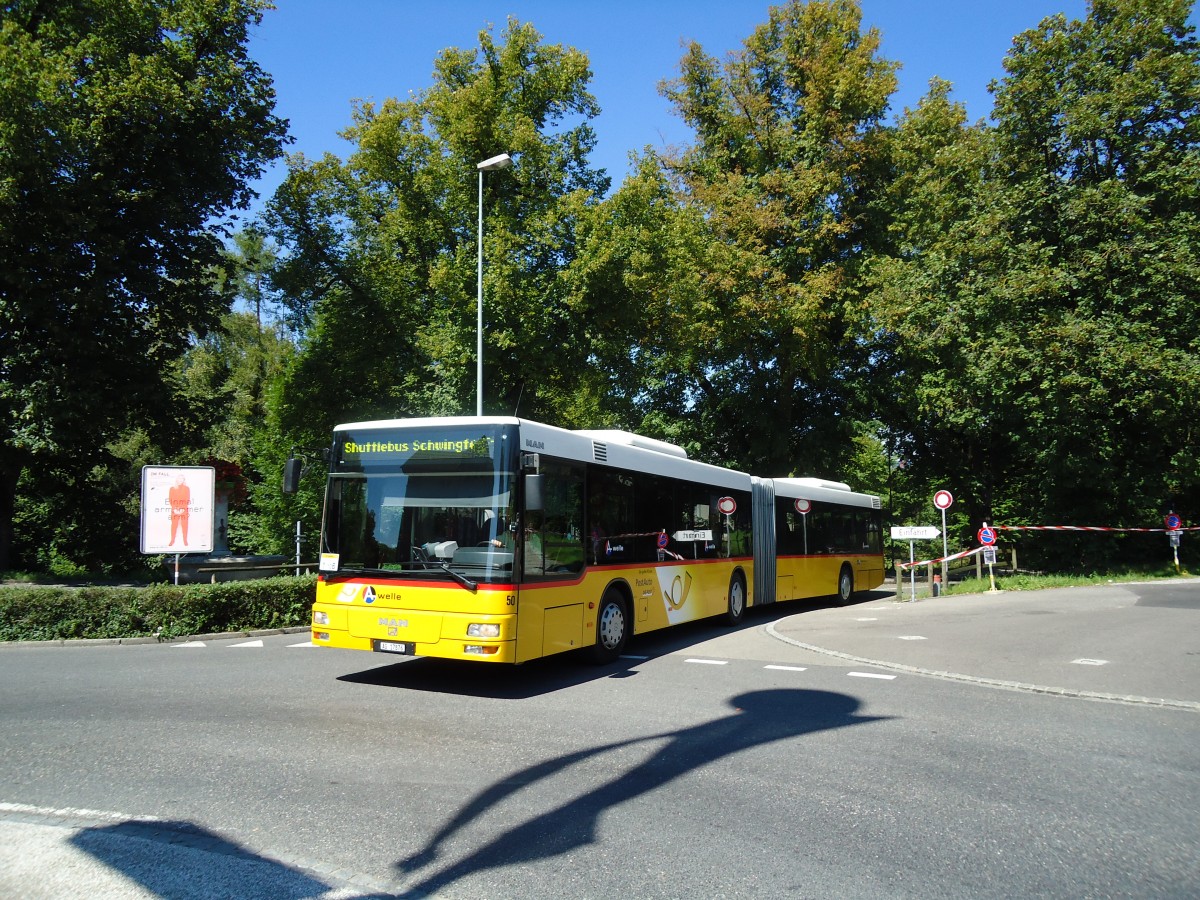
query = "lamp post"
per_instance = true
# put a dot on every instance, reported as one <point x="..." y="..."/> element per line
<point x="502" y="161"/>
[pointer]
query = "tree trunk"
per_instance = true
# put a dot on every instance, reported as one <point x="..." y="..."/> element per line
<point x="10" y="474"/>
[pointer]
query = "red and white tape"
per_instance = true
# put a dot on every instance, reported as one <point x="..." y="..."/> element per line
<point x="1085" y="528"/>
<point x="930" y="562"/>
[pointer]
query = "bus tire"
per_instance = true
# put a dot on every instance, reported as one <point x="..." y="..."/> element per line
<point x="737" y="600"/>
<point x="612" y="628"/>
<point x="845" y="588"/>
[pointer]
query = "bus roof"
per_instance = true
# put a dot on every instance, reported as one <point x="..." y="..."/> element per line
<point x="625" y="450"/>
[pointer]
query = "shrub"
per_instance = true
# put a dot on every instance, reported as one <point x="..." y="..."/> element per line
<point x="58" y="613"/>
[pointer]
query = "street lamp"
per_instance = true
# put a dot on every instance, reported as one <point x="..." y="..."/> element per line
<point x="502" y="161"/>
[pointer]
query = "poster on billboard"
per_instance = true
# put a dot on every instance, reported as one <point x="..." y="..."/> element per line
<point x="177" y="509"/>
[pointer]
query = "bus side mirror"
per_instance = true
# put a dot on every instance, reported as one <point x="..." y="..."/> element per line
<point x="291" y="475"/>
<point x="535" y="499"/>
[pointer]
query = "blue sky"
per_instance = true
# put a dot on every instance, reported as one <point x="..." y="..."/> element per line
<point x="324" y="54"/>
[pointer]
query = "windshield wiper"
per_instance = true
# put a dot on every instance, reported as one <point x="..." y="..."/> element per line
<point x="445" y="567"/>
<point x="425" y="564"/>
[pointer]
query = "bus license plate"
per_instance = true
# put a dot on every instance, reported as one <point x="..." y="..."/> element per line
<point x="405" y="647"/>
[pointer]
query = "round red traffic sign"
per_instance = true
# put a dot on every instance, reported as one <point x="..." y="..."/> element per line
<point x="727" y="506"/>
<point x="1173" y="522"/>
<point x="943" y="499"/>
<point x="803" y="506"/>
<point x="987" y="536"/>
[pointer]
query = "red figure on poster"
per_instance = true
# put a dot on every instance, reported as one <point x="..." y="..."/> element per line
<point x="180" y="499"/>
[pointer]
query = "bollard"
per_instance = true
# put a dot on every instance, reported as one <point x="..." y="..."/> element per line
<point x="937" y="585"/>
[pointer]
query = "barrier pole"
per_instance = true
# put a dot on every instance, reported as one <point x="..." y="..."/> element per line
<point x="912" y="568"/>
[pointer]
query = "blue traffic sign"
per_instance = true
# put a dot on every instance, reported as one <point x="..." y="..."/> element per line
<point x="987" y="536"/>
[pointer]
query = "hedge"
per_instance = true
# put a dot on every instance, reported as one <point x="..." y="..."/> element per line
<point x="168" y="611"/>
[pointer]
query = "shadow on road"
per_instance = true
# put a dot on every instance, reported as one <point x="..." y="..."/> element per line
<point x="181" y="860"/>
<point x="758" y="718"/>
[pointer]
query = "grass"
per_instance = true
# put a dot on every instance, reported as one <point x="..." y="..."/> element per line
<point x="1033" y="581"/>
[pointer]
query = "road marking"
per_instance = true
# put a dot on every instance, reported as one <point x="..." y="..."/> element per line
<point x="190" y="644"/>
<point x="304" y="644"/>
<point x="911" y="637"/>
<point x="787" y="668"/>
<point x="258" y="643"/>
<point x="871" y="675"/>
<point x="709" y="662"/>
<point x="627" y="656"/>
<point x="867" y="620"/>
<point x="1089" y="662"/>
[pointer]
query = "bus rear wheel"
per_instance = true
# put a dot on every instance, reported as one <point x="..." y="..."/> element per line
<point x="845" y="591"/>
<point x="612" y="628"/>
<point x="737" y="600"/>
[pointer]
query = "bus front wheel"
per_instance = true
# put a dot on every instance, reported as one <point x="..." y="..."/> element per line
<point x="845" y="586"/>
<point x="612" y="628"/>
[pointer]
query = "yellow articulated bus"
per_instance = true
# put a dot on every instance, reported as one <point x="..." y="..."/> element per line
<point x="504" y="540"/>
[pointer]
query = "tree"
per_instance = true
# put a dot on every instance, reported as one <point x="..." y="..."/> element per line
<point x="932" y="288"/>
<point x="1040" y="302"/>
<point x="380" y="261"/>
<point x="785" y="162"/>
<point x="125" y="130"/>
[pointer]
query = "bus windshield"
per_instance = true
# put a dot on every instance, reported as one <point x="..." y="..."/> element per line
<point x="437" y="502"/>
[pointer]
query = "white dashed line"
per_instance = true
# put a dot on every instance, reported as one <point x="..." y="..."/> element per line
<point x="787" y="668"/>
<point x="911" y="637"/>
<point x="248" y="644"/>
<point x="709" y="662"/>
<point x="640" y="658"/>
<point x="190" y="644"/>
<point x="876" y="619"/>
<point x="304" y="644"/>
<point x="1089" y="662"/>
<point x="871" y="675"/>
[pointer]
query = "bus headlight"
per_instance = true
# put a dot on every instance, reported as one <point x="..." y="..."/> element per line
<point x="483" y="630"/>
<point x="320" y="618"/>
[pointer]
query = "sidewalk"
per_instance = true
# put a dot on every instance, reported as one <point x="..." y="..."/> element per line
<point x="1129" y="642"/>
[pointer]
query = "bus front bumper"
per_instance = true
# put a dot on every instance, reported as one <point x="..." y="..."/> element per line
<point x="404" y="632"/>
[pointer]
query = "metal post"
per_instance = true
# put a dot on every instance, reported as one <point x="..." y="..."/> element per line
<point x="479" y="310"/>
<point x="945" y="553"/>
<point x="496" y="162"/>
<point x="297" y="548"/>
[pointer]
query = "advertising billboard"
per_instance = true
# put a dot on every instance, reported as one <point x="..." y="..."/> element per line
<point x="177" y="509"/>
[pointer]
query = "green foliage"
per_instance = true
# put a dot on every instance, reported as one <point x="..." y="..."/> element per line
<point x="58" y="613"/>
<point x="1008" y="310"/>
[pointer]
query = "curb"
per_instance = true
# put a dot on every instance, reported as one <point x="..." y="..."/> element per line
<point x="1189" y="705"/>
<point x="109" y="642"/>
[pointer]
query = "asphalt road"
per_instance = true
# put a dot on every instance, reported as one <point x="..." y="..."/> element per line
<point x="814" y="752"/>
